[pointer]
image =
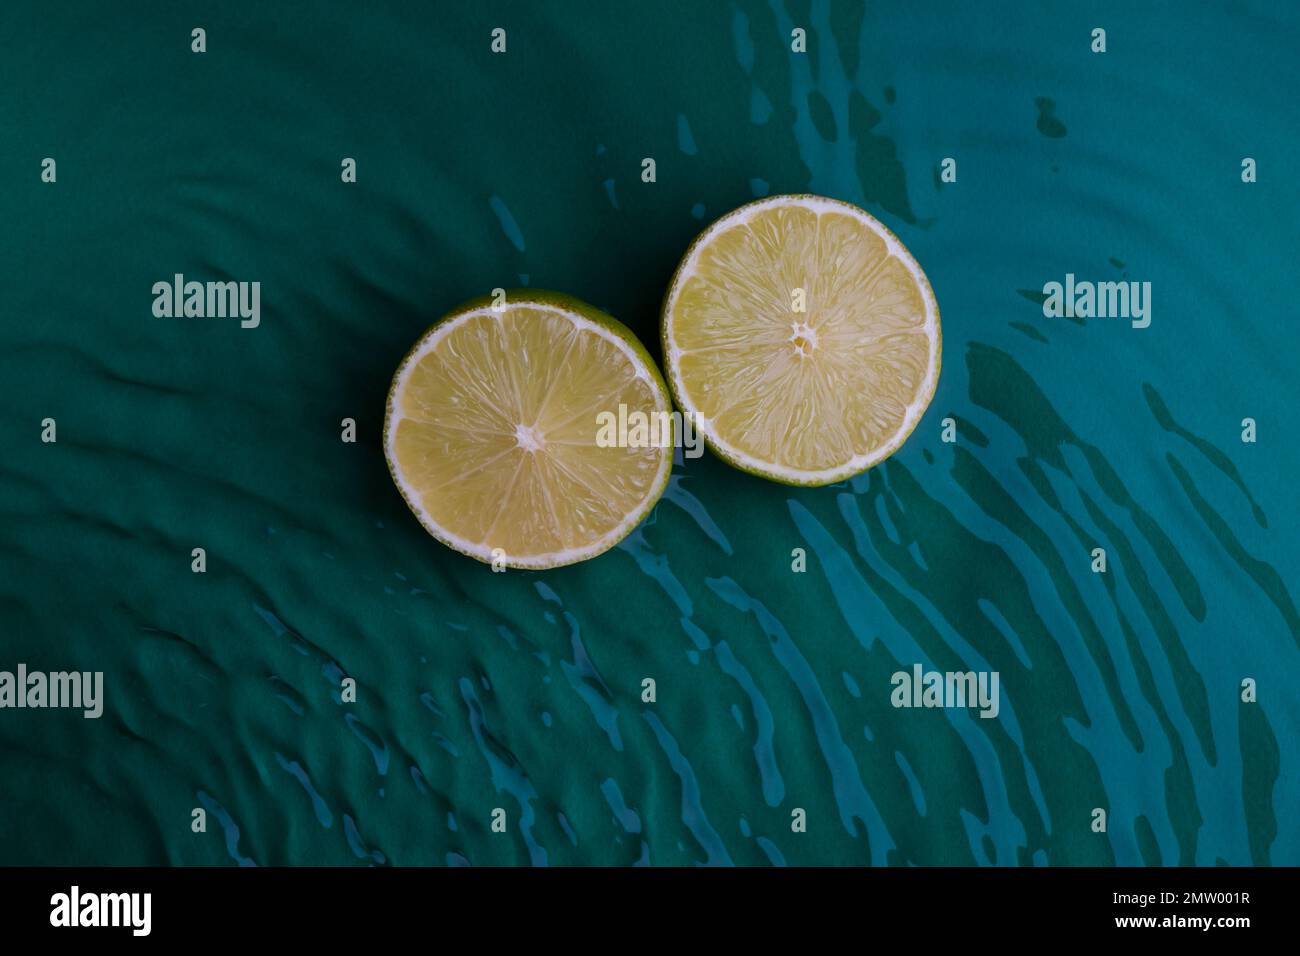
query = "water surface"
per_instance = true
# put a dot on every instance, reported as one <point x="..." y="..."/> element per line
<point x="523" y="691"/>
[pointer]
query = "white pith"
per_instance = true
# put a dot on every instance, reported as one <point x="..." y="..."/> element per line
<point x="524" y="436"/>
<point x="859" y="462"/>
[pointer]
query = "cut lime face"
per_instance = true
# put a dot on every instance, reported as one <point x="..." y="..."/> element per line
<point x="803" y="338"/>
<point x="492" y="431"/>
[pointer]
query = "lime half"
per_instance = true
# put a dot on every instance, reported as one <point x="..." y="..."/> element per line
<point x="493" y="431"/>
<point x="803" y="339"/>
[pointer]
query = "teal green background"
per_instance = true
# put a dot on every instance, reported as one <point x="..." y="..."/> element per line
<point x="521" y="690"/>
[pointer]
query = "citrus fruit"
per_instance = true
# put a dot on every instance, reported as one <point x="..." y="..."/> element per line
<point x="492" y="430"/>
<point x="803" y="339"/>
